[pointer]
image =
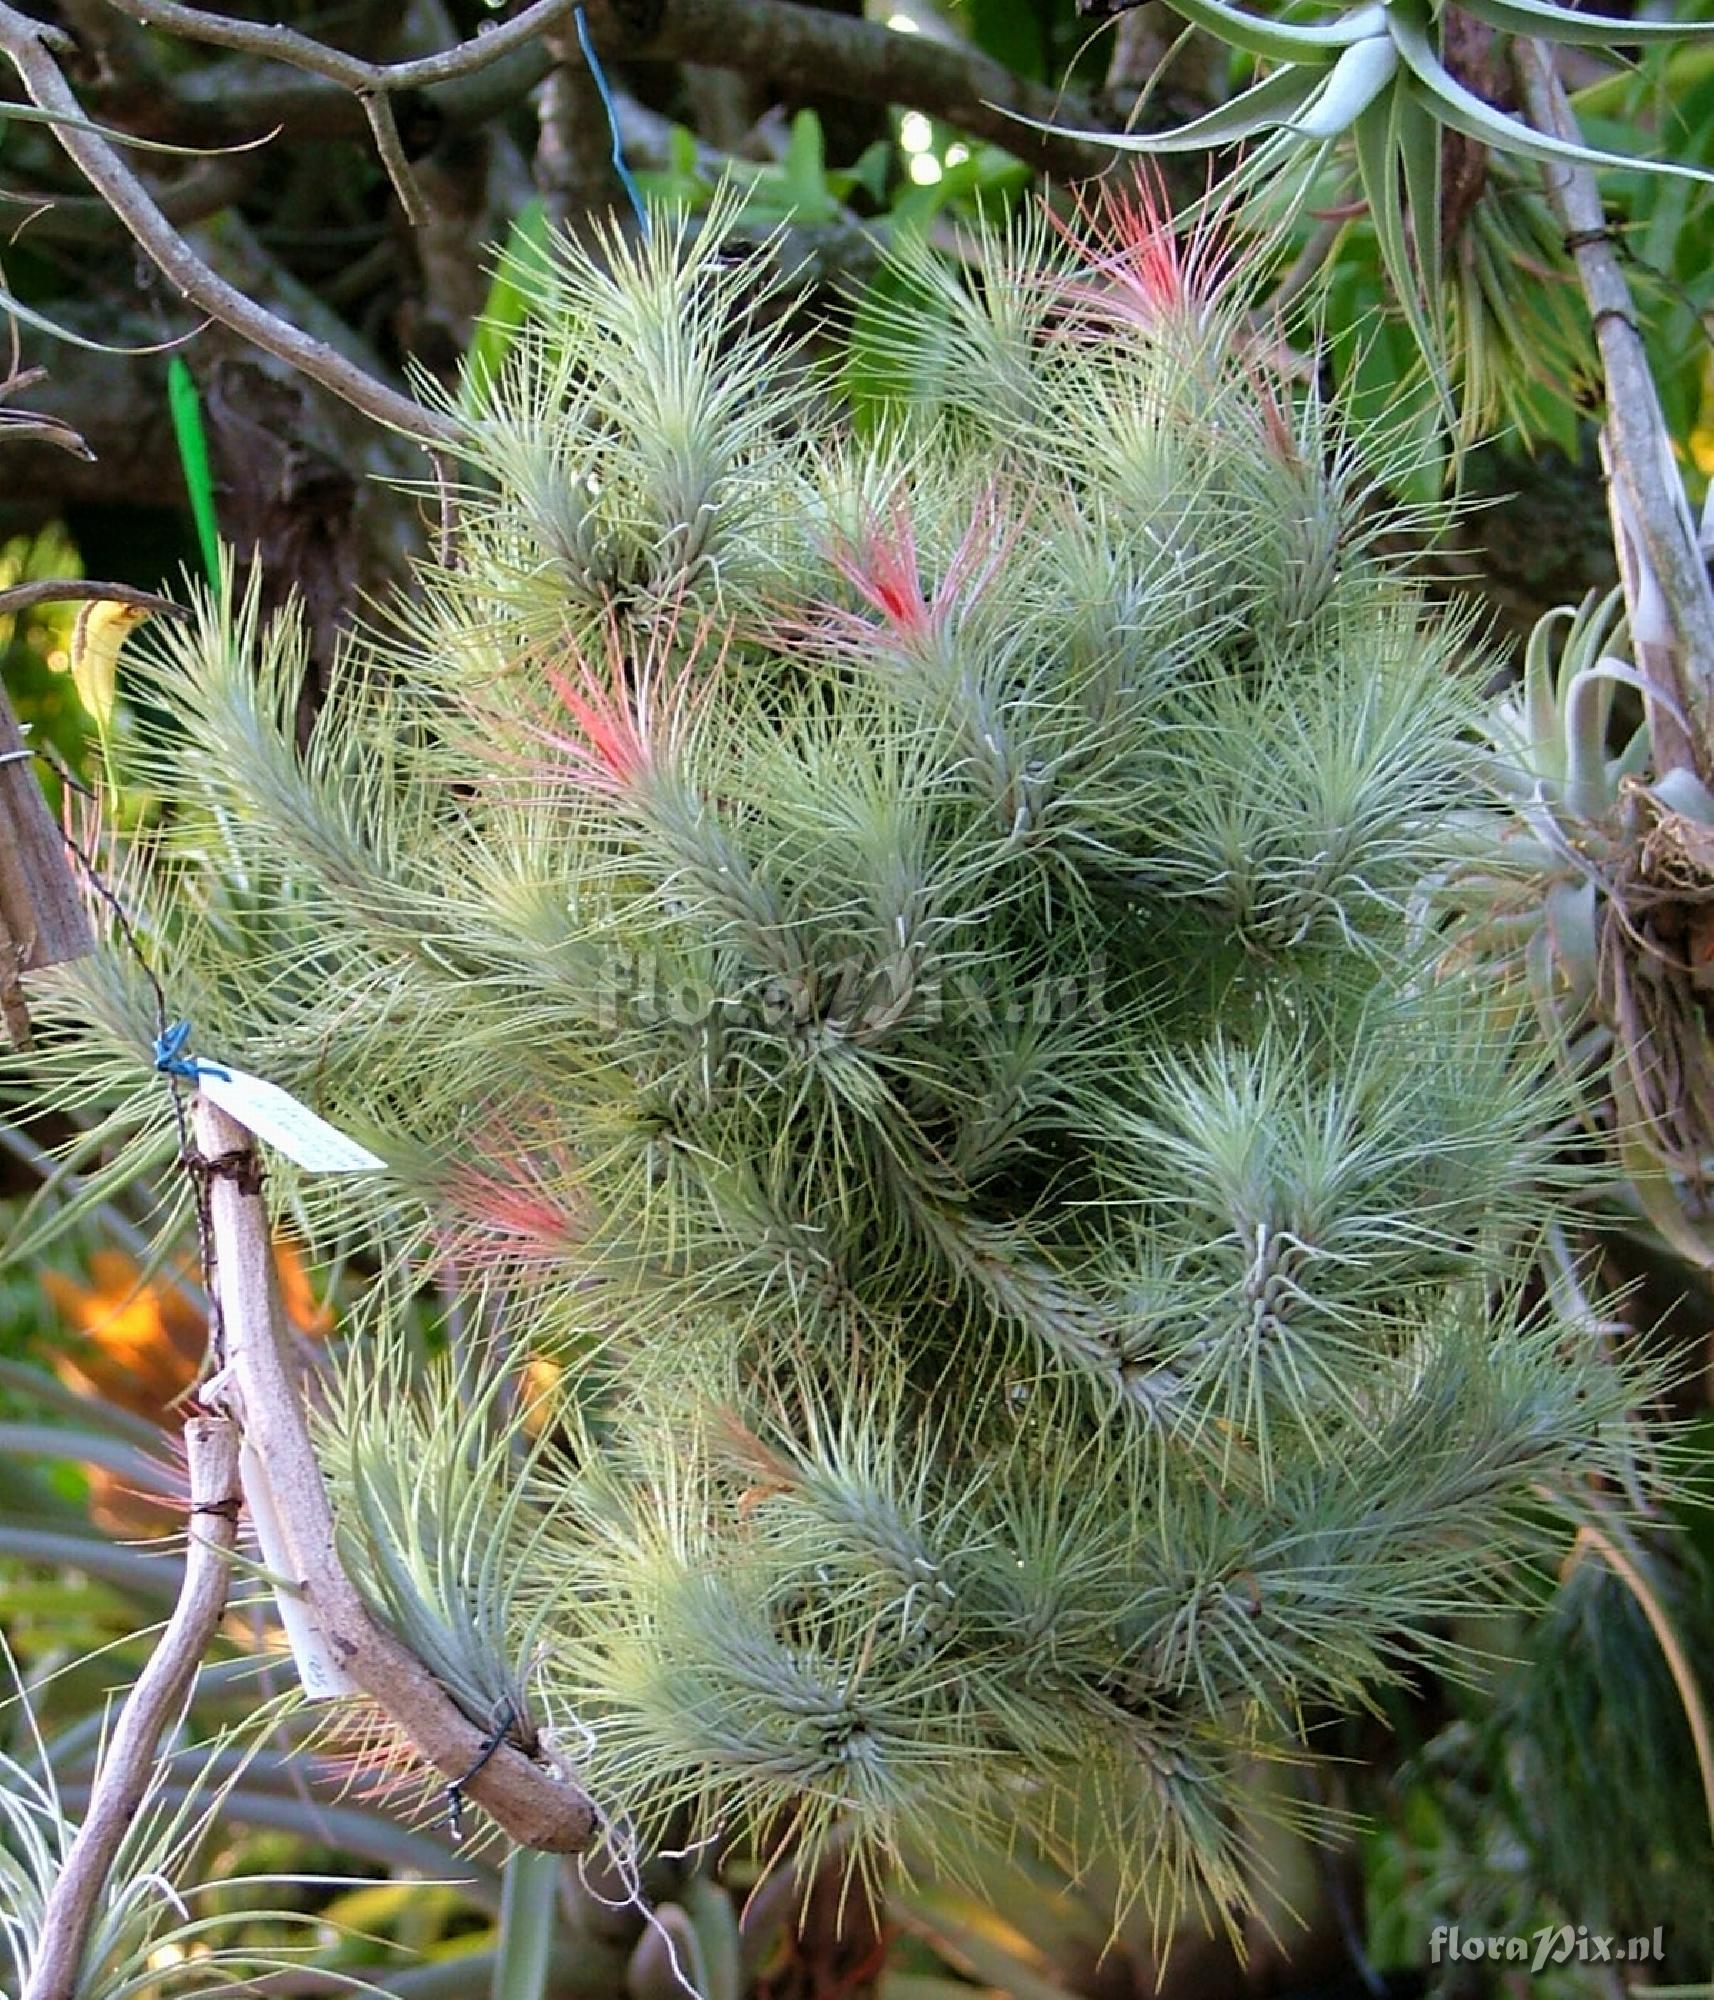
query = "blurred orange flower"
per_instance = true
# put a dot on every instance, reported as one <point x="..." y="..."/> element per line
<point x="138" y="1343"/>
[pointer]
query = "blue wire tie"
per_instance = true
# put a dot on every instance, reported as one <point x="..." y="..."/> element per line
<point x="171" y="1060"/>
<point x="599" y="77"/>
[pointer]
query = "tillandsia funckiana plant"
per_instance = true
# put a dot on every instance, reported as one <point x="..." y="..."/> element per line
<point x="890" y="960"/>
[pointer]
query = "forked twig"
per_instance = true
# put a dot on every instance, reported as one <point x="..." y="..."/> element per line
<point x="29" y="47"/>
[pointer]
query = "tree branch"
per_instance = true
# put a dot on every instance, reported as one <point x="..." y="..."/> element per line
<point x="797" y="46"/>
<point x="286" y="45"/>
<point x="24" y="42"/>
<point x="812" y="51"/>
<point x="1667" y="590"/>
<point x="154" y="1704"/>
<point x="528" y="1801"/>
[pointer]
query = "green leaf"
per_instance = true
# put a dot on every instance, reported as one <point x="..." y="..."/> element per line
<point x="715" y="1923"/>
<point x="1277" y="100"/>
<point x="87" y="1448"/>
<point x="529" y="1906"/>
<point x="140" y="1573"/>
<point x="868" y="172"/>
<point x="518" y="276"/>
<point x="185" y="403"/>
<point x="877" y="378"/>
<point x="1683" y="70"/>
<point x="1416" y="140"/>
<point x="1564" y="24"/>
<point x="1355" y="81"/>
<point x="1465" y="112"/>
<point x="1011" y="34"/>
<point x="1379" y="169"/>
<point x="1280" y="41"/>
<point x="804" y="169"/>
<point x="37" y="1385"/>
<point x="42" y="324"/>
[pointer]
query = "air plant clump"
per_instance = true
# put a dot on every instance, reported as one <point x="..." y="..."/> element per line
<point x="1585" y="893"/>
<point x="890" y="961"/>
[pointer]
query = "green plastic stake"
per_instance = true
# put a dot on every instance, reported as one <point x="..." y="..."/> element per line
<point x="185" y="403"/>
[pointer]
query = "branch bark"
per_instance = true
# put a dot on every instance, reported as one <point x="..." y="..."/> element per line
<point x="24" y="41"/>
<point x="154" y="1704"/>
<point x="286" y="45"/>
<point x="817" y="53"/>
<point x="1667" y="591"/>
<point x="802" y="49"/>
<point x="528" y="1801"/>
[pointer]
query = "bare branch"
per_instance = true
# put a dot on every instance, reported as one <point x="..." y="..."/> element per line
<point x="1666" y="581"/>
<point x="527" y="1800"/>
<point x="153" y="1706"/>
<point x="378" y="109"/>
<point x="812" y="51"/>
<point x="70" y="590"/>
<point x="286" y="45"/>
<point x="372" y="82"/>
<point x="22" y="40"/>
<point x="801" y="47"/>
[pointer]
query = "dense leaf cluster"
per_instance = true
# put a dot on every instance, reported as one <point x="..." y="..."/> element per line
<point x="891" y="961"/>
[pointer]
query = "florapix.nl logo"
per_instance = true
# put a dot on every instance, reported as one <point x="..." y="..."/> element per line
<point x="1553" y="1944"/>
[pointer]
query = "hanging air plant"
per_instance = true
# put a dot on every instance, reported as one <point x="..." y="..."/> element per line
<point x="891" y="959"/>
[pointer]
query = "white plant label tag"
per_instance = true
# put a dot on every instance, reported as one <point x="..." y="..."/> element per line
<point x="275" y="1115"/>
<point x="321" y="1674"/>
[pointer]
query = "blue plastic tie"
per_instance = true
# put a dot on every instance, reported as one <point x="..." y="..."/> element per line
<point x="612" y="110"/>
<point x="171" y="1060"/>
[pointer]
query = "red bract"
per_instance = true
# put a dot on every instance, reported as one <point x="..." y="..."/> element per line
<point x="628" y="707"/>
<point x="613" y="749"/>
<point x="883" y="570"/>
<point x="882" y="567"/>
<point x="1143" y="272"/>
<point x="510" y="1209"/>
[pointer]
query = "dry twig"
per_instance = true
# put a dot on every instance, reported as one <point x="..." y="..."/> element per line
<point x="154" y="1704"/>
<point x="27" y="44"/>
<point x="527" y="1800"/>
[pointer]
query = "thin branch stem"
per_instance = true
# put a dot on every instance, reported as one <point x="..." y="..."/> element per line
<point x="286" y="45"/>
<point x="25" y="43"/>
<point x="378" y="109"/>
<point x="153" y="1706"/>
<point x="71" y="590"/>
<point x="372" y="82"/>
<point x="798" y="47"/>
<point x="1666" y="580"/>
<point x="528" y="1801"/>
